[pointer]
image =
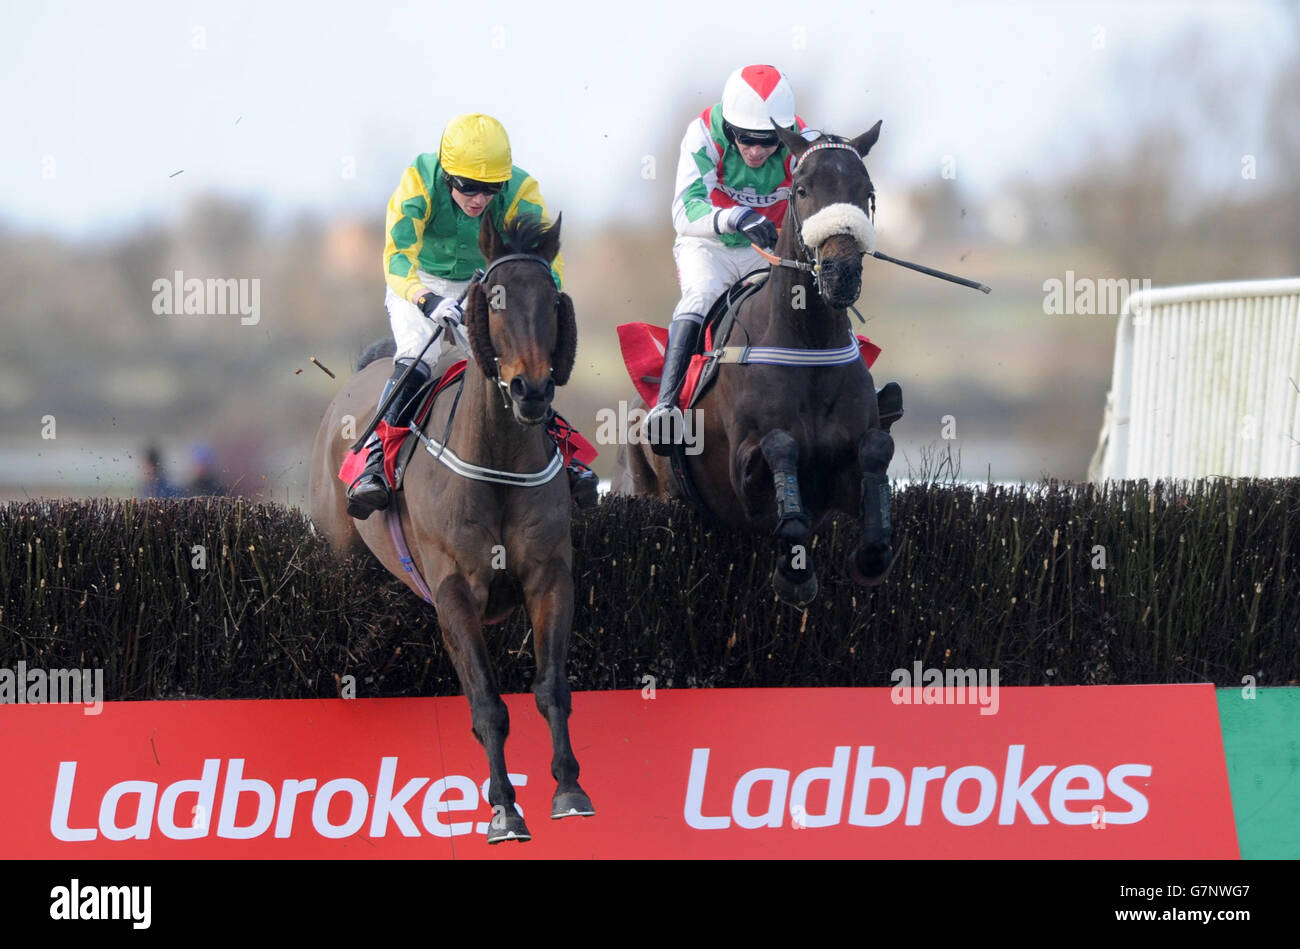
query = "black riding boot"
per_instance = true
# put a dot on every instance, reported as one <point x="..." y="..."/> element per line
<point x="371" y="492"/>
<point x="682" y="336"/>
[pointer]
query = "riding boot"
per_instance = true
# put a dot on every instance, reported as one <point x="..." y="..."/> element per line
<point x="682" y="336"/>
<point x="371" y="492"/>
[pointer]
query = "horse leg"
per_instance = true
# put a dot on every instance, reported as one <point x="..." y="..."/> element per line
<point x="795" y="580"/>
<point x="462" y="632"/>
<point x="871" y="560"/>
<point x="549" y="595"/>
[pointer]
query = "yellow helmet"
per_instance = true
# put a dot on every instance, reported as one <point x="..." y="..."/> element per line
<point x="475" y="146"/>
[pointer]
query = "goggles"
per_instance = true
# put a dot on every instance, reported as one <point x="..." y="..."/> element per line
<point x="469" y="187"/>
<point x="749" y="137"/>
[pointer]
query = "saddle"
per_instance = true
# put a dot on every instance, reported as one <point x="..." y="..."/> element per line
<point x="644" y="346"/>
<point x="447" y="373"/>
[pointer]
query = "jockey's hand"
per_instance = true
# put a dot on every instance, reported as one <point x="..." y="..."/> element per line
<point x="448" y="313"/>
<point x="760" y="231"/>
<point x="428" y="302"/>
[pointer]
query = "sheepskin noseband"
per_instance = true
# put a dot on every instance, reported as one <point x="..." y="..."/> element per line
<point x="840" y="219"/>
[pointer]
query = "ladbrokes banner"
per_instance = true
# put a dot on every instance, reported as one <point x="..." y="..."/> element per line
<point x="1114" y="772"/>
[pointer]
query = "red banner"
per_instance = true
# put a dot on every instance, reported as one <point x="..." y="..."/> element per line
<point x="1099" y="772"/>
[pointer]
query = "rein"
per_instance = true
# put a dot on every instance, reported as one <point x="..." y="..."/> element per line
<point x="439" y="449"/>
<point x="801" y="263"/>
<point x="815" y="268"/>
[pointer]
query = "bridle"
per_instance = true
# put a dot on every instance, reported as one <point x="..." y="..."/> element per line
<point x="482" y="279"/>
<point x="805" y="255"/>
<point x="440" y="451"/>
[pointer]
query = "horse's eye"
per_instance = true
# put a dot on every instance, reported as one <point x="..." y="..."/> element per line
<point x="801" y="191"/>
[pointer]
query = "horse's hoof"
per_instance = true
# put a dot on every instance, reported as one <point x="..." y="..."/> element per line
<point x="794" y="592"/>
<point x="507" y="825"/>
<point x="571" y="804"/>
<point x="870" y="566"/>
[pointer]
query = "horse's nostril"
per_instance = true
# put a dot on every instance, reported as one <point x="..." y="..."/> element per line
<point x="548" y="390"/>
<point x="517" y="388"/>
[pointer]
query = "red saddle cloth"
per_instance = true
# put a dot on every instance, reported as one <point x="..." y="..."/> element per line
<point x="570" y="441"/>
<point x="645" y="346"/>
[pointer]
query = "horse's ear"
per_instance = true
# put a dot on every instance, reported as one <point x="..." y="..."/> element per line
<point x="479" y="330"/>
<point x="791" y="139"/>
<point x="550" y="245"/>
<point x="862" y="144"/>
<point x="490" y="244"/>
<point x="566" y="340"/>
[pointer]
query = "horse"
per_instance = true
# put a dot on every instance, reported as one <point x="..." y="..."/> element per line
<point x="523" y="340"/>
<point x="787" y="441"/>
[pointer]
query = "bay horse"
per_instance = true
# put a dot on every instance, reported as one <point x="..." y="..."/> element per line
<point x="523" y="339"/>
<point x="788" y="440"/>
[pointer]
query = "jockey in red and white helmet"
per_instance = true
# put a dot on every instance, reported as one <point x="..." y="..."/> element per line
<point x="733" y="183"/>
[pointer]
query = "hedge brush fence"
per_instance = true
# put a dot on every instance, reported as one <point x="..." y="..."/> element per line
<point x="1056" y="584"/>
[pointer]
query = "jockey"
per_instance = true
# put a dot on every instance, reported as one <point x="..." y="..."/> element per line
<point x="430" y="255"/>
<point x="733" y="184"/>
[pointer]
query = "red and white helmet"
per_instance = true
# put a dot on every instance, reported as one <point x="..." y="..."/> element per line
<point x="755" y="95"/>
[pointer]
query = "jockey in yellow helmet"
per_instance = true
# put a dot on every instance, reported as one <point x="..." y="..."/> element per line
<point x="430" y="255"/>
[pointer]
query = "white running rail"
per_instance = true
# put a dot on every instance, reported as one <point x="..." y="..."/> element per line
<point x="1206" y="383"/>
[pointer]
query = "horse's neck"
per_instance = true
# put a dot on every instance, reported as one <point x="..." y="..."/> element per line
<point x="814" y="325"/>
<point x="486" y="433"/>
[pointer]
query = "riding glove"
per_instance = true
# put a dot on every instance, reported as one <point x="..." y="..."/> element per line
<point x="760" y="231"/>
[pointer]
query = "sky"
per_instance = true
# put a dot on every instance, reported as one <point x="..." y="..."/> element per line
<point x="117" y="115"/>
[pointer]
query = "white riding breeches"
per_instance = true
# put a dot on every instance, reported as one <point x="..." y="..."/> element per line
<point x="706" y="269"/>
<point x="411" y="328"/>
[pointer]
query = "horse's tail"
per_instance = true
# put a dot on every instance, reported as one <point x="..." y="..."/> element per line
<point x="379" y="349"/>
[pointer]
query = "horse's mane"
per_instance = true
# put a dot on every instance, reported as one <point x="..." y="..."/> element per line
<point x="524" y="234"/>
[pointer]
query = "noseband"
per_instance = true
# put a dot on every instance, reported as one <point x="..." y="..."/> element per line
<point x="805" y="254"/>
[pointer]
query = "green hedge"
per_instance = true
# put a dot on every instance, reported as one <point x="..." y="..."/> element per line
<point x="1200" y="583"/>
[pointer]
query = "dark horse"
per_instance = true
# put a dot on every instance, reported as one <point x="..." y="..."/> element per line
<point x="523" y="337"/>
<point x="784" y="444"/>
